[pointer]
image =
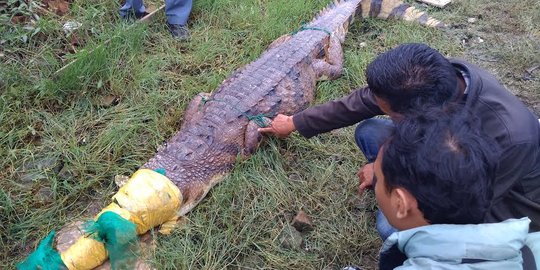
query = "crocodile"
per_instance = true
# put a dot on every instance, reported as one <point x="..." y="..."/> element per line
<point x="221" y="126"/>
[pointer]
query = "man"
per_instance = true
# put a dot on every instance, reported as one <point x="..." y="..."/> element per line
<point x="410" y="77"/>
<point x="434" y="182"/>
<point x="177" y="12"/>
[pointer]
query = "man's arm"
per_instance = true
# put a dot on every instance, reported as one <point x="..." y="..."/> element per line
<point x="346" y="111"/>
<point x="349" y="110"/>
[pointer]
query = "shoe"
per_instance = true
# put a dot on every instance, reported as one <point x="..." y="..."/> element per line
<point x="132" y="16"/>
<point x="178" y="31"/>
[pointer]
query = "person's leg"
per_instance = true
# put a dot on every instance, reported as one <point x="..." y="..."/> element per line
<point x="177" y="11"/>
<point x="370" y="134"/>
<point x="383" y="226"/>
<point x="135" y="6"/>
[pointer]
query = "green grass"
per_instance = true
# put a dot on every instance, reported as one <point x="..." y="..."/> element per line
<point x="59" y="129"/>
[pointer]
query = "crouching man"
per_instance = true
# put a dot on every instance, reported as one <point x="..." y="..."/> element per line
<point x="434" y="183"/>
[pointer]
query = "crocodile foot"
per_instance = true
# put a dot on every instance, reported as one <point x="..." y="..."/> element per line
<point x="252" y="138"/>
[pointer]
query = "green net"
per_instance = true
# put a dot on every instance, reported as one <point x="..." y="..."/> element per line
<point x="44" y="258"/>
<point x="119" y="236"/>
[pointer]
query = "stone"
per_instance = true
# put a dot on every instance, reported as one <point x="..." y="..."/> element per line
<point x="290" y="238"/>
<point x="108" y="100"/>
<point x="253" y="261"/>
<point x="472" y="20"/>
<point x="302" y="222"/>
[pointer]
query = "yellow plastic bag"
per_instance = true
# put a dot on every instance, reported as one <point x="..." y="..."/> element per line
<point x="150" y="198"/>
<point x="85" y="254"/>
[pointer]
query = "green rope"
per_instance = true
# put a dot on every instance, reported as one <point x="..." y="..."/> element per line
<point x="304" y="27"/>
<point x="258" y="119"/>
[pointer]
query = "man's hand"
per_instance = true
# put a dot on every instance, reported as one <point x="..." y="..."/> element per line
<point x="281" y="126"/>
<point x="365" y="175"/>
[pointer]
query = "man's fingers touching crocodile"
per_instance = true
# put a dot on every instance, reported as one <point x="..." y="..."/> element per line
<point x="281" y="126"/>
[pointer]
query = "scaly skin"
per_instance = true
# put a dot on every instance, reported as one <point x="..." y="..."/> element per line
<point x="282" y="80"/>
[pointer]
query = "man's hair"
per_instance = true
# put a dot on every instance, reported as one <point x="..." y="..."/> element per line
<point x="412" y="76"/>
<point x="444" y="160"/>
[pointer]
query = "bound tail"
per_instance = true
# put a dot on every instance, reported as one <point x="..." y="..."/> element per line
<point x="339" y="14"/>
<point x="386" y="9"/>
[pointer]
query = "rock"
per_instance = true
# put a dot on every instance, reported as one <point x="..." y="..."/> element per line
<point x="290" y="238"/>
<point x="302" y="222"/>
<point x="472" y="20"/>
<point x="45" y="195"/>
<point x="108" y="100"/>
<point x="363" y="44"/>
<point x="253" y="261"/>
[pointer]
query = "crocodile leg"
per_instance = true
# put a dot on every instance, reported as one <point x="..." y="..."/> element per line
<point x="192" y="111"/>
<point x="252" y="138"/>
<point x="279" y="41"/>
<point x="331" y="68"/>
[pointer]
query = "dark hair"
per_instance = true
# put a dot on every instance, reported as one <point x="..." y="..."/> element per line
<point x="411" y="76"/>
<point x="444" y="160"/>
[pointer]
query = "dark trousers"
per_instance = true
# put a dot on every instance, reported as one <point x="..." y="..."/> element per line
<point x="177" y="11"/>
<point x="370" y="134"/>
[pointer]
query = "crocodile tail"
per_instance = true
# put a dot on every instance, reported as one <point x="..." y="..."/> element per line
<point x="336" y="16"/>
<point x="387" y="9"/>
<point x="333" y="5"/>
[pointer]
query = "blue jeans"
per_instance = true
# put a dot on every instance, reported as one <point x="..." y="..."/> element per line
<point x="370" y="134"/>
<point x="177" y="11"/>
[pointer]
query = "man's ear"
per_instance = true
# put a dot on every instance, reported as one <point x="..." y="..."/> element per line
<point x="403" y="202"/>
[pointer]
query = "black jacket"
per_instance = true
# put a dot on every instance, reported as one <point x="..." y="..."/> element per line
<point x="502" y="115"/>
